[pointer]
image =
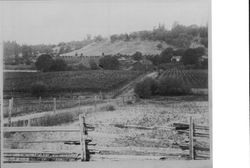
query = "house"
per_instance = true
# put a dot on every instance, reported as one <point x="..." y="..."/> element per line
<point x="79" y="57"/>
<point x="176" y="58"/>
<point x="122" y="59"/>
<point x="203" y="58"/>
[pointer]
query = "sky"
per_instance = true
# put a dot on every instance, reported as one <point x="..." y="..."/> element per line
<point x="53" y="21"/>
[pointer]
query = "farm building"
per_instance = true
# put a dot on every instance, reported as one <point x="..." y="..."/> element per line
<point x="204" y="58"/>
<point x="142" y="65"/>
<point x="176" y="59"/>
<point x="75" y="57"/>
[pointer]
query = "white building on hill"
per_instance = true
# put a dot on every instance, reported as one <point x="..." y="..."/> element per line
<point x="75" y="57"/>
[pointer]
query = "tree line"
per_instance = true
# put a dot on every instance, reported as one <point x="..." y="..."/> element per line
<point x="179" y="35"/>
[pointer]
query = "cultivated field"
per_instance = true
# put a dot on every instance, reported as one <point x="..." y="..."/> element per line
<point x="190" y="78"/>
<point x="69" y="81"/>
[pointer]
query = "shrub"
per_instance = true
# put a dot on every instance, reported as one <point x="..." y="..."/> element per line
<point x="137" y="56"/>
<point x="172" y="87"/>
<point x="109" y="63"/>
<point x="192" y="55"/>
<point x="93" y="65"/>
<point x="81" y="67"/>
<point x="108" y="107"/>
<point x="159" y="46"/>
<point x="166" y="55"/>
<point x="146" y="88"/>
<point x="44" y="62"/>
<point x="58" y="65"/>
<point x="38" y="88"/>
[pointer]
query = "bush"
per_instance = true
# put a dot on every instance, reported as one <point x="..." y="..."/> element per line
<point x="172" y="87"/>
<point x="137" y="56"/>
<point x="58" y="65"/>
<point x="192" y="56"/>
<point x="81" y="67"/>
<point x="166" y="55"/>
<point x="146" y="88"/>
<point x="108" y="108"/>
<point x="44" y="62"/>
<point x="109" y="63"/>
<point x="93" y="65"/>
<point x="38" y="88"/>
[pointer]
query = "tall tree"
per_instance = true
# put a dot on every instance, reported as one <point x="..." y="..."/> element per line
<point x="166" y="55"/>
<point x="109" y="62"/>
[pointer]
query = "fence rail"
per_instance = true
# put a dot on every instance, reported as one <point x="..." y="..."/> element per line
<point x="45" y="155"/>
<point x="15" y="107"/>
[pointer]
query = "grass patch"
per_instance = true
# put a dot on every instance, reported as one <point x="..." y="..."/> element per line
<point x="56" y="119"/>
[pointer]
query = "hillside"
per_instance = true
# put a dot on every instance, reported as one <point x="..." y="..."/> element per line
<point x="107" y="47"/>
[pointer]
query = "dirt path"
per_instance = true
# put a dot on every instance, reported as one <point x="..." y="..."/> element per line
<point x="129" y="88"/>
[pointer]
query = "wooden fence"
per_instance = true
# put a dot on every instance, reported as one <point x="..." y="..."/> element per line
<point x="84" y="153"/>
<point x="24" y="106"/>
<point x="57" y="105"/>
<point x="14" y="155"/>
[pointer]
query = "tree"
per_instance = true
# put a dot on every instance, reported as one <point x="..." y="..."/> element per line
<point x="204" y="64"/>
<point x="204" y="41"/>
<point x="58" y="65"/>
<point x="137" y="56"/>
<point x="179" y="52"/>
<point x="146" y="88"/>
<point x="172" y="87"/>
<point x="44" y="62"/>
<point x="159" y="46"/>
<point x="26" y="52"/>
<point x="113" y="38"/>
<point x="109" y="62"/>
<point x="166" y="55"/>
<point x="98" y="38"/>
<point x="191" y="57"/>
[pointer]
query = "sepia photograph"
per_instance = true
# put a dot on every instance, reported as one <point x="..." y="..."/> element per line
<point x="106" y="83"/>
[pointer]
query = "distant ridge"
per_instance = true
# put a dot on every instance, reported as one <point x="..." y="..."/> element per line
<point x="146" y="47"/>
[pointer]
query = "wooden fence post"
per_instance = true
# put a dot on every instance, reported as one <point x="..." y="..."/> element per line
<point x="95" y="102"/>
<point x="40" y="101"/>
<point x="123" y="100"/>
<point x="82" y="137"/>
<point x="100" y="95"/>
<point x="10" y="110"/>
<point x="79" y="103"/>
<point x="54" y="100"/>
<point x="191" y="140"/>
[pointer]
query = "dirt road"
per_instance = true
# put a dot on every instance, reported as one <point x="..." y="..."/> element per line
<point x="129" y="88"/>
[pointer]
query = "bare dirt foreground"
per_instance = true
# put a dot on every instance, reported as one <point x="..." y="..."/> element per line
<point x="124" y="142"/>
<point x="114" y="164"/>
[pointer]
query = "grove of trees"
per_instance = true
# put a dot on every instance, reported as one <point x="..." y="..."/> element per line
<point x="165" y="87"/>
<point x="46" y="63"/>
<point x="179" y="35"/>
<point x="192" y="55"/>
